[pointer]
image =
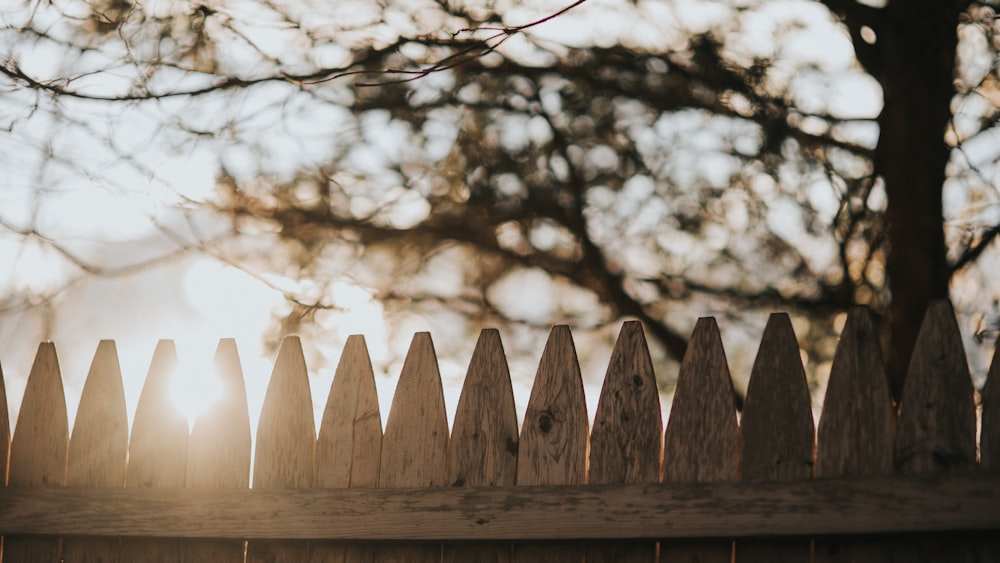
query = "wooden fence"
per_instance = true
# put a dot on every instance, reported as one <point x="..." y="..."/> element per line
<point x="873" y="485"/>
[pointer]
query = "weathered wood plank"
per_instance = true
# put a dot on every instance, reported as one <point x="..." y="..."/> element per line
<point x="349" y="447"/>
<point x="857" y="505"/>
<point x="4" y="430"/>
<point x="415" y="445"/>
<point x="38" y="450"/>
<point x="777" y="430"/>
<point x="625" y="440"/>
<point x="856" y="429"/>
<point x="702" y="440"/>
<point x="286" y="444"/>
<point x="484" y="440"/>
<point x="219" y="450"/>
<point x="98" y="447"/>
<point x="989" y="442"/>
<point x="157" y="452"/>
<point x="553" y="445"/>
<point x="936" y="427"/>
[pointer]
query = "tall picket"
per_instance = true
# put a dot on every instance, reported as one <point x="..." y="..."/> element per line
<point x="484" y="440"/>
<point x="349" y="447"/>
<point x="989" y="443"/>
<point x="855" y="433"/>
<point x="625" y="440"/>
<point x="553" y="445"/>
<point x="415" y="444"/>
<point x="38" y="450"/>
<point x="702" y="439"/>
<point x="98" y="447"/>
<point x="157" y="451"/>
<point x="4" y="441"/>
<point x="936" y="428"/>
<point x="286" y="444"/>
<point x="777" y="431"/>
<point x="219" y="450"/>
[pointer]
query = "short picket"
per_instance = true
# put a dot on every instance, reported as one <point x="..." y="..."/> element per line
<point x="98" y="447"/>
<point x="38" y="450"/>
<point x="286" y="444"/>
<point x="625" y="440"/>
<point x="777" y="431"/>
<point x="702" y="439"/>
<point x="553" y="445"/>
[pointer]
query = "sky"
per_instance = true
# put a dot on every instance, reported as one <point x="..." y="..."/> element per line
<point x="123" y="213"/>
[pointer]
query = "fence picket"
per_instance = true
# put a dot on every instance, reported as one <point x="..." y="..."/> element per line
<point x="989" y="436"/>
<point x="219" y="450"/>
<point x="286" y="443"/>
<point x="415" y="444"/>
<point x="553" y="445"/>
<point x="777" y="430"/>
<point x="157" y="451"/>
<point x="936" y="427"/>
<point x="702" y="439"/>
<point x="349" y="447"/>
<point x="4" y="433"/>
<point x="855" y="433"/>
<point x="625" y="440"/>
<point x="98" y="447"/>
<point x="38" y="449"/>
<point x="483" y="447"/>
<point x="989" y="442"/>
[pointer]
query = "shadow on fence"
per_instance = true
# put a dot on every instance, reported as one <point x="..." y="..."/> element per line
<point x="870" y="484"/>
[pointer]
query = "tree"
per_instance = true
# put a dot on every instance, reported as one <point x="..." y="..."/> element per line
<point x="674" y="165"/>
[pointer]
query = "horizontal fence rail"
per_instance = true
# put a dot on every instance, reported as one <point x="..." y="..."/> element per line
<point x="708" y="486"/>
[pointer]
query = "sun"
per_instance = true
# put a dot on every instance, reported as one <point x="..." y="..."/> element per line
<point x="195" y="386"/>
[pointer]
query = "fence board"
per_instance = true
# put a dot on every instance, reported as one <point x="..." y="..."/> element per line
<point x="38" y="449"/>
<point x="219" y="450"/>
<point x="989" y="438"/>
<point x="415" y="444"/>
<point x="625" y="440"/>
<point x="553" y="445"/>
<point x="777" y="430"/>
<point x="702" y="440"/>
<point x="98" y="447"/>
<point x="349" y="447"/>
<point x="856" y="429"/>
<point x="936" y="428"/>
<point x="483" y="447"/>
<point x="4" y="433"/>
<point x="286" y="443"/>
<point x="157" y="451"/>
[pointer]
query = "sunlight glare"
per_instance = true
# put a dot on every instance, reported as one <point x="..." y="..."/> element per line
<point x="195" y="387"/>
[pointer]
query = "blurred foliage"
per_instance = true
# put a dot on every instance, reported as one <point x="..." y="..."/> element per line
<point x="501" y="163"/>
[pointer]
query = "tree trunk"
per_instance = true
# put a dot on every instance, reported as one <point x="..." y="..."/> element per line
<point x="916" y="42"/>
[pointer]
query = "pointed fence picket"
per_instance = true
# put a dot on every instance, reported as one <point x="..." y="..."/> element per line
<point x="553" y="491"/>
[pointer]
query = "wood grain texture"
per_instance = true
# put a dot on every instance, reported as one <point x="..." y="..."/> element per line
<point x="415" y="445"/>
<point x="702" y="440"/>
<point x="856" y="429"/>
<point x="936" y="427"/>
<point x="38" y="450"/>
<point x="625" y="440"/>
<point x="857" y="505"/>
<point x="157" y="452"/>
<point x="484" y="440"/>
<point x="219" y="450"/>
<point x="98" y="447"/>
<point x="553" y="445"/>
<point x="349" y="447"/>
<point x="989" y="439"/>
<point x="4" y="431"/>
<point x="776" y="429"/>
<point x="286" y="443"/>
